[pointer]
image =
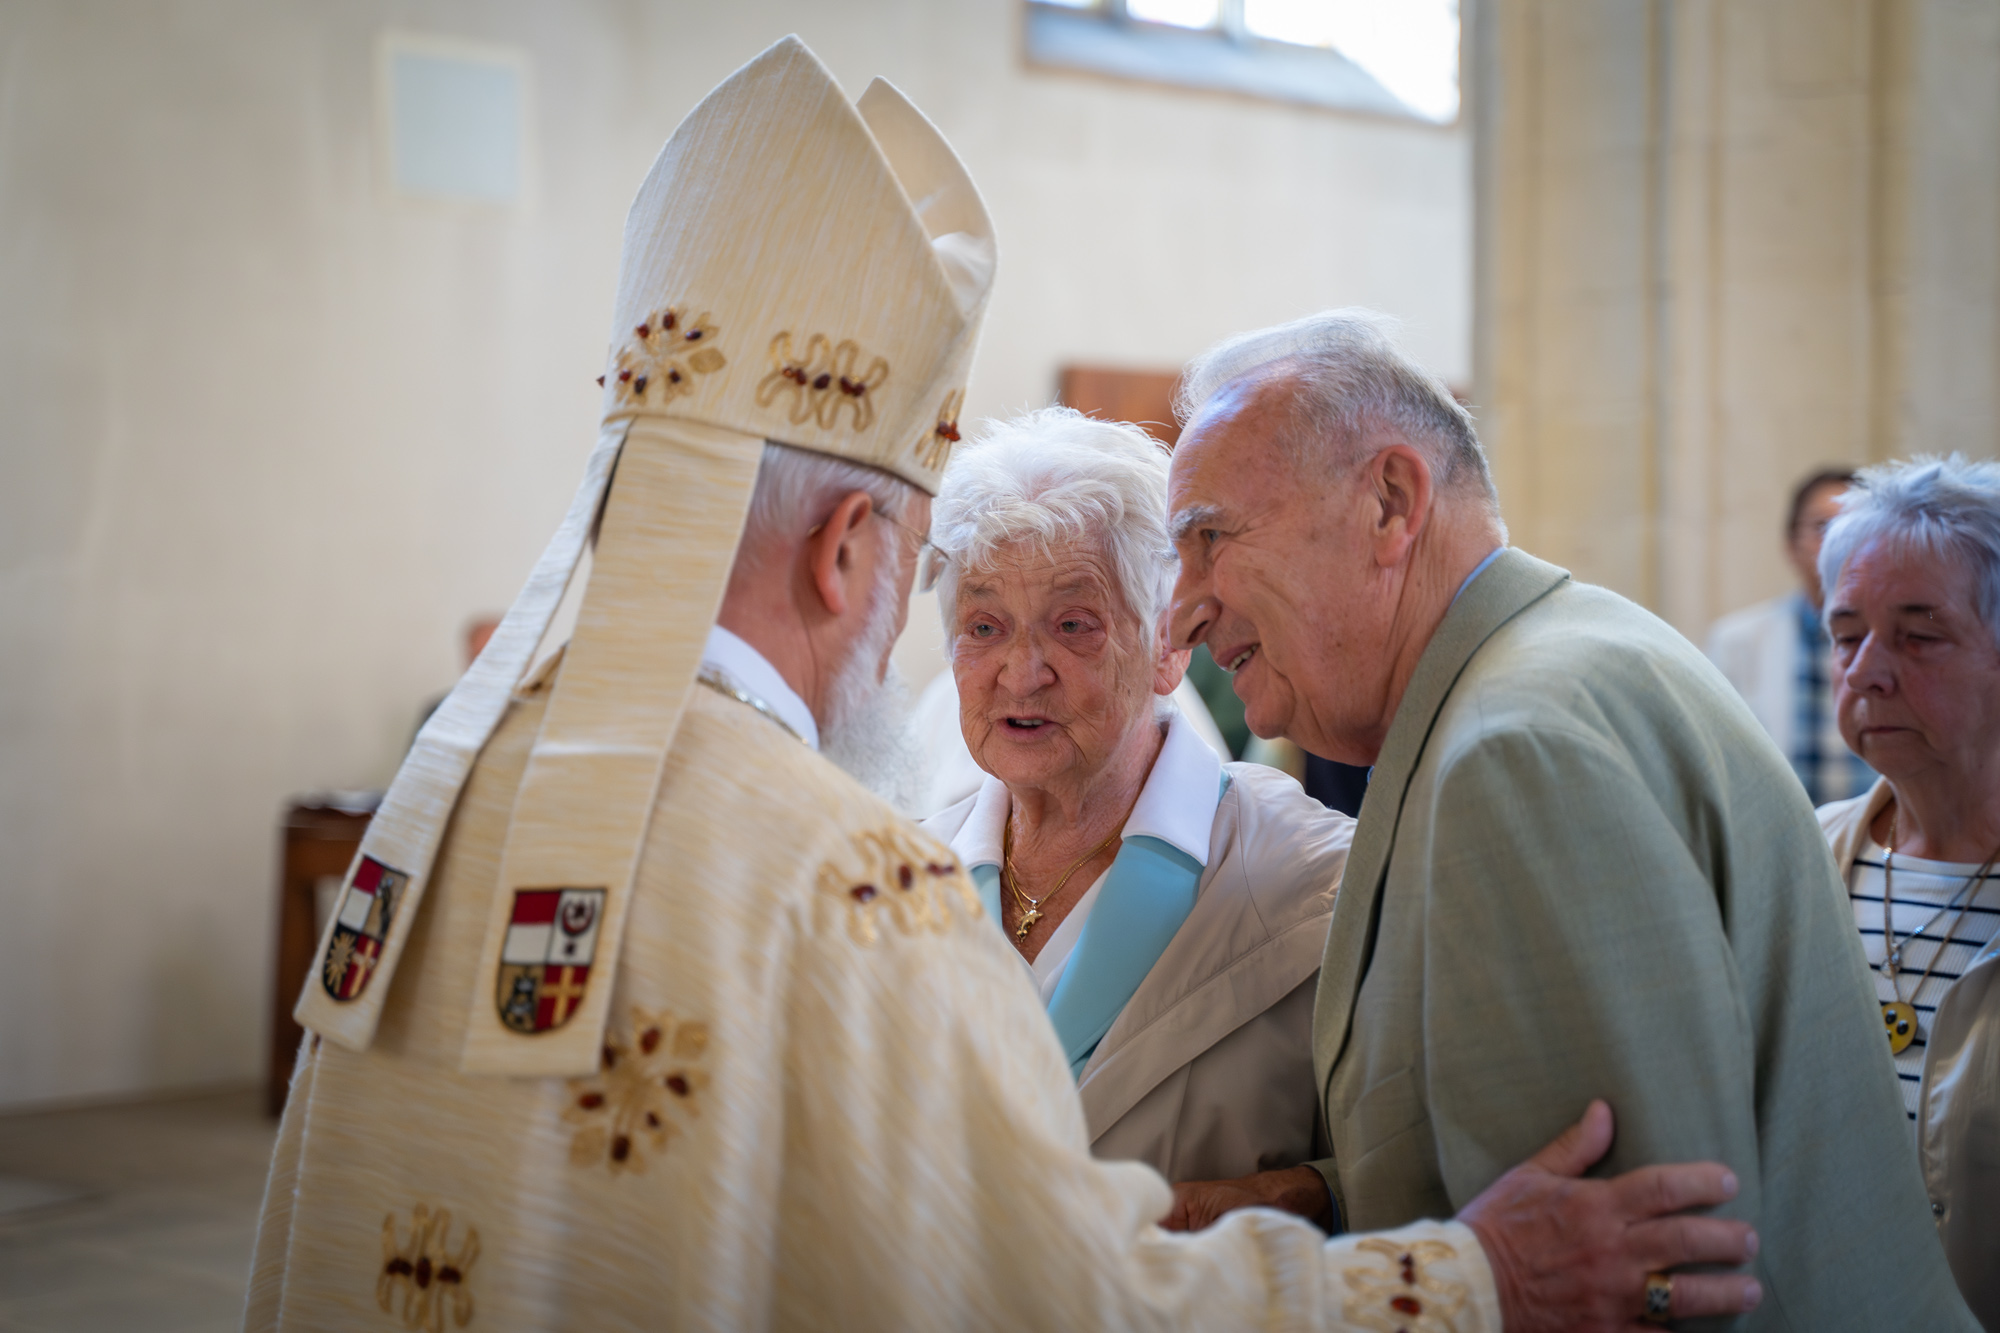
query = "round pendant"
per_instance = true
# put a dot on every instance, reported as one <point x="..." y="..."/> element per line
<point x="1899" y="1020"/>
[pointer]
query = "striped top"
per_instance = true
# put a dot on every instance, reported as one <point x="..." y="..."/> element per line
<point x="1922" y="887"/>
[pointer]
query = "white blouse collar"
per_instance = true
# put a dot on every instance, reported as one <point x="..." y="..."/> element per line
<point x="754" y="674"/>
<point x="1177" y="804"/>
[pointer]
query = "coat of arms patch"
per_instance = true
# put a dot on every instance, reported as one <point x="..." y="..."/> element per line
<point x="367" y="906"/>
<point x="545" y="962"/>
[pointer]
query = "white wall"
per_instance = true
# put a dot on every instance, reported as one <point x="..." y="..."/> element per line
<point x="269" y="433"/>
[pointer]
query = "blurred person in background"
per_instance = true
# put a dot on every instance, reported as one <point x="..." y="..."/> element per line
<point x="1171" y="907"/>
<point x="1913" y="562"/>
<point x="1775" y="653"/>
<point x="477" y="631"/>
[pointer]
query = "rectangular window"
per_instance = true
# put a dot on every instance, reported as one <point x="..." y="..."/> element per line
<point x="455" y="116"/>
<point x="1386" y="57"/>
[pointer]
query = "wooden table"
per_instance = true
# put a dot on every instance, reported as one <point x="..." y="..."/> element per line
<point x="320" y="838"/>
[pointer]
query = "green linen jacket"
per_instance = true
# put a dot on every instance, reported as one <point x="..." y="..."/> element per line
<point x="1581" y="871"/>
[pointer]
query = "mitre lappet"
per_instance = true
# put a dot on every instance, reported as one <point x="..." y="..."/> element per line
<point x="796" y="268"/>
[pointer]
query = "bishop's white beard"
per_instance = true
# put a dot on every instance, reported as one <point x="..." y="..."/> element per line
<point x="868" y="731"/>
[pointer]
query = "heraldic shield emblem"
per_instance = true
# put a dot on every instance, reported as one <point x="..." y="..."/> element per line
<point x="545" y="963"/>
<point x="367" y="906"/>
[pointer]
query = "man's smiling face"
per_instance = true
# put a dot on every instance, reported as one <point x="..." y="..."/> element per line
<point x="1277" y="576"/>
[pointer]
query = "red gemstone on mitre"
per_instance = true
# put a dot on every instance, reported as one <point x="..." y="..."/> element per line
<point x="667" y="320"/>
<point x="861" y="893"/>
<point x="639" y="385"/>
<point x="822" y="381"/>
<point x="694" y="335"/>
<point x="644" y="330"/>
<point x="1407" y="1305"/>
<point x="624" y="375"/>
<point x="424" y="1271"/>
<point x="649" y="1041"/>
<point x="904" y="875"/>
<point x="677" y="1085"/>
<point x="590" y="1101"/>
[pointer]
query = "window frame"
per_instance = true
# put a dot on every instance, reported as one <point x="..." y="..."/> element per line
<point x="1105" y="40"/>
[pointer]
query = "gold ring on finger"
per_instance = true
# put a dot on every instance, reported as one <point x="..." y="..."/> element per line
<point x="1659" y="1297"/>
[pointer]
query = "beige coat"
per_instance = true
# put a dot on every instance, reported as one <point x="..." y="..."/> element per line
<point x="1958" y="1107"/>
<point x="1582" y="870"/>
<point x="829" y="1100"/>
<point x="1207" y="1073"/>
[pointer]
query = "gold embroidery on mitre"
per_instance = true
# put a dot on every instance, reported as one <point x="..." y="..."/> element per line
<point x="644" y="1082"/>
<point x="1407" y="1298"/>
<point x="425" y="1272"/>
<point x="935" y="448"/>
<point x="669" y="349"/>
<point x="823" y="381"/>
<point x="897" y="875"/>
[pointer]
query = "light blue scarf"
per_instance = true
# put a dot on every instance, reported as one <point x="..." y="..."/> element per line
<point x="1147" y="894"/>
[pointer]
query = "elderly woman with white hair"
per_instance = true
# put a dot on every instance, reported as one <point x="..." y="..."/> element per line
<point x="1912" y="565"/>
<point x="1171" y="908"/>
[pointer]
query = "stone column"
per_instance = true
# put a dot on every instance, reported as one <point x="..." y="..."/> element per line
<point x="1719" y="243"/>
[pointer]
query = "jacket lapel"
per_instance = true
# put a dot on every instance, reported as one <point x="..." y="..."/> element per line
<point x="1509" y="584"/>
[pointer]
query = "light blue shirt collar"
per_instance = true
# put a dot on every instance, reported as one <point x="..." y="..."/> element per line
<point x="1477" y="570"/>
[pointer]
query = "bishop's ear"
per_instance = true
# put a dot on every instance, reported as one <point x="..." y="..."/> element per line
<point x="839" y="567"/>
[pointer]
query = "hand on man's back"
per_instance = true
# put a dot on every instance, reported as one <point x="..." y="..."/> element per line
<point x="1572" y="1254"/>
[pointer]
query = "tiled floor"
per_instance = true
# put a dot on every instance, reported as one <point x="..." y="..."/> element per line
<point x="160" y="1239"/>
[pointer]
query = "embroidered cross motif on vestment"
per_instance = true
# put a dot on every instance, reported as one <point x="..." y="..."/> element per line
<point x="648" y="1078"/>
<point x="1402" y="1295"/>
<point x="425" y="1272"/>
<point x="897" y="874"/>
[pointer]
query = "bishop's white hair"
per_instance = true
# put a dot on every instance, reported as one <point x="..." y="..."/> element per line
<point x="1355" y="387"/>
<point x="797" y="488"/>
<point x="1055" y="477"/>
<point x="1946" y="506"/>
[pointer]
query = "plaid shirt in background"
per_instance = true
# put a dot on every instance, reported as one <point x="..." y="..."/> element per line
<point x="1829" y="770"/>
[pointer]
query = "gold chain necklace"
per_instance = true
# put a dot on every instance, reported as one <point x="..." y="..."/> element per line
<point x="1899" y="1016"/>
<point x="1031" y="908"/>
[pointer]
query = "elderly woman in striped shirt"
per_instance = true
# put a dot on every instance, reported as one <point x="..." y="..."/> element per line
<point x="1913" y="565"/>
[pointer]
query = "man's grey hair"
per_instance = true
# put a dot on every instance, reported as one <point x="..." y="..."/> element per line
<point x="797" y="488"/>
<point x="1946" y="506"/>
<point x="1055" y="477"/>
<point x="1357" y="392"/>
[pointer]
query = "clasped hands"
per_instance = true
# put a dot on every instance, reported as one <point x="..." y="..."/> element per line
<point x="1567" y="1253"/>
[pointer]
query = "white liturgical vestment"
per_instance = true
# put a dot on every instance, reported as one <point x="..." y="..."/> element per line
<point x="828" y="1099"/>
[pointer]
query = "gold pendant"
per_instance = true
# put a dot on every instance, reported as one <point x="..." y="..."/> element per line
<point x="1027" y="923"/>
<point x="1899" y="1019"/>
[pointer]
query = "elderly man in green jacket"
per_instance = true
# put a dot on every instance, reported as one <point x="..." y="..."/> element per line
<point x="1581" y="869"/>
